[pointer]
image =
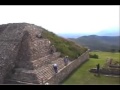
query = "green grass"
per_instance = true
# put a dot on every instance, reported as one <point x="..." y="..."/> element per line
<point x="64" y="46"/>
<point x="82" y="75"/>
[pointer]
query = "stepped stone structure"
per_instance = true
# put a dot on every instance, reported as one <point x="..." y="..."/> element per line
<point x="25" y="58"/>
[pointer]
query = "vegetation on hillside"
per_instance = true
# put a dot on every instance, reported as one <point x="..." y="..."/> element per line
<point x="64" y="46"/>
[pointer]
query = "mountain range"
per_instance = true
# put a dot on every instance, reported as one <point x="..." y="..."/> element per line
<point x="112" y="32"/>
<point x="103" y="43"/>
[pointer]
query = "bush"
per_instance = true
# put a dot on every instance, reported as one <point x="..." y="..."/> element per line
<point x="93" y="56"/>
<point x="119" y="51"/>
<point x="113" y="50"/>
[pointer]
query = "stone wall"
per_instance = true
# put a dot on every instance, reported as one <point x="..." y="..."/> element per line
<point x="57" y="78"/>
<point x="110" y="71"/>
<point x="9" y="46"/>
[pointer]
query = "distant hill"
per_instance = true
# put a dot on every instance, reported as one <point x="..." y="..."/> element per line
<point x="112" y="32"/>
<point x="70" y="35"/>
<point x="103" y="43"/>
<point x="115" y="32"/>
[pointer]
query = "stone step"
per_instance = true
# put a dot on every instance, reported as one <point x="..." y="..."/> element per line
<point x="24" y="76"/>
<point x="45" y="73"/>
<point x="45" y="60"/>
<point x="48" y="71"/>
<point x="59" y="62"/>
<point x="19" y="82"/>
<point x="31" y="64"/>
<point x="31" y="76"/>
<point x="39" y="48"/>
<point x="39" y="75"/>
<point x="51" y="72"/>
<point x="35" y="54"/>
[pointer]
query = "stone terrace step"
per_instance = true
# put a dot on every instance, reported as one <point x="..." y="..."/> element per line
<point x="46" y="73"/>
<point x="18" y="82"/>
<point x="45" y="60"/>
<point x="39" y="48"/>
<point x="59" y="62"/>
<point x="23" y="76"/>
<point x="29" y="76"/>
<point x="37" y="76"/>
<point x="50" y="71"/>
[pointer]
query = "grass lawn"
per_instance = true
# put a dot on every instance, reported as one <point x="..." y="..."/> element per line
<point x="82" y="76"/>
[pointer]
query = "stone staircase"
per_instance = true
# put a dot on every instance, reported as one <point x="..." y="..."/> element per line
<point x="45" y="60"/>
<point x="59" y="62"/>
<point x="43" y="73"/>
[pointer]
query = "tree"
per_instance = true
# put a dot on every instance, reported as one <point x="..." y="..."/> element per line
<point x="112" y="50"/>
<point x="119" y="51"/>
<point x="93" y="56"/>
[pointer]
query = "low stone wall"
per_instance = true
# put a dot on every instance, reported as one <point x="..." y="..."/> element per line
<point x="114" y="66"/>
<point x="57" y="78"/>
<point x="107" y="71"/>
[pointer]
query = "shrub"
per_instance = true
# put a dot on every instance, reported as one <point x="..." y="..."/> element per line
<point x="93" y="56"/>
<point x="119" y="51"/>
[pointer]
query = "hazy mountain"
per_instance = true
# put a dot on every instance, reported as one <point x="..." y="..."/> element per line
<point x="71" y="35"/>
<point x="114" y="32"/>
<point x="94" y="42"/>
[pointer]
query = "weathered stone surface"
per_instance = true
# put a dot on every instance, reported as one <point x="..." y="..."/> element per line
<point x="14" y="46"/>
<point x="26" y="59"/>
<point x="9" y="45"/>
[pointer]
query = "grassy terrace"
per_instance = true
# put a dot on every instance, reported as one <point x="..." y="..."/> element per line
<point x="82" y="75"/>
<point x="64" y="46"/>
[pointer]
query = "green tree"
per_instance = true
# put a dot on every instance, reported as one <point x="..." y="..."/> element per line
<point x="119" y="51"/>
<point x="112" y="50"/>
<point x="93" y="56"/>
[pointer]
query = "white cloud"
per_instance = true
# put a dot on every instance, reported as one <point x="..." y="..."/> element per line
<point x="64" y="19"/>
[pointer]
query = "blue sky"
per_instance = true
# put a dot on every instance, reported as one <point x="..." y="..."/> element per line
<point x="64" y="19"/>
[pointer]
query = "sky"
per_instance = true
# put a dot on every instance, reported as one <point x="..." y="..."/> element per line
<point x="64" y="19"/>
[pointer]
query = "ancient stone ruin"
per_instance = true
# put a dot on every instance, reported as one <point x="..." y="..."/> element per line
<point x="110" y="68"/>
<point x="25" y="57"/>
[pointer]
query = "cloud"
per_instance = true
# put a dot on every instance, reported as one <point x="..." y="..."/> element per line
<point x="64" y="19"/>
